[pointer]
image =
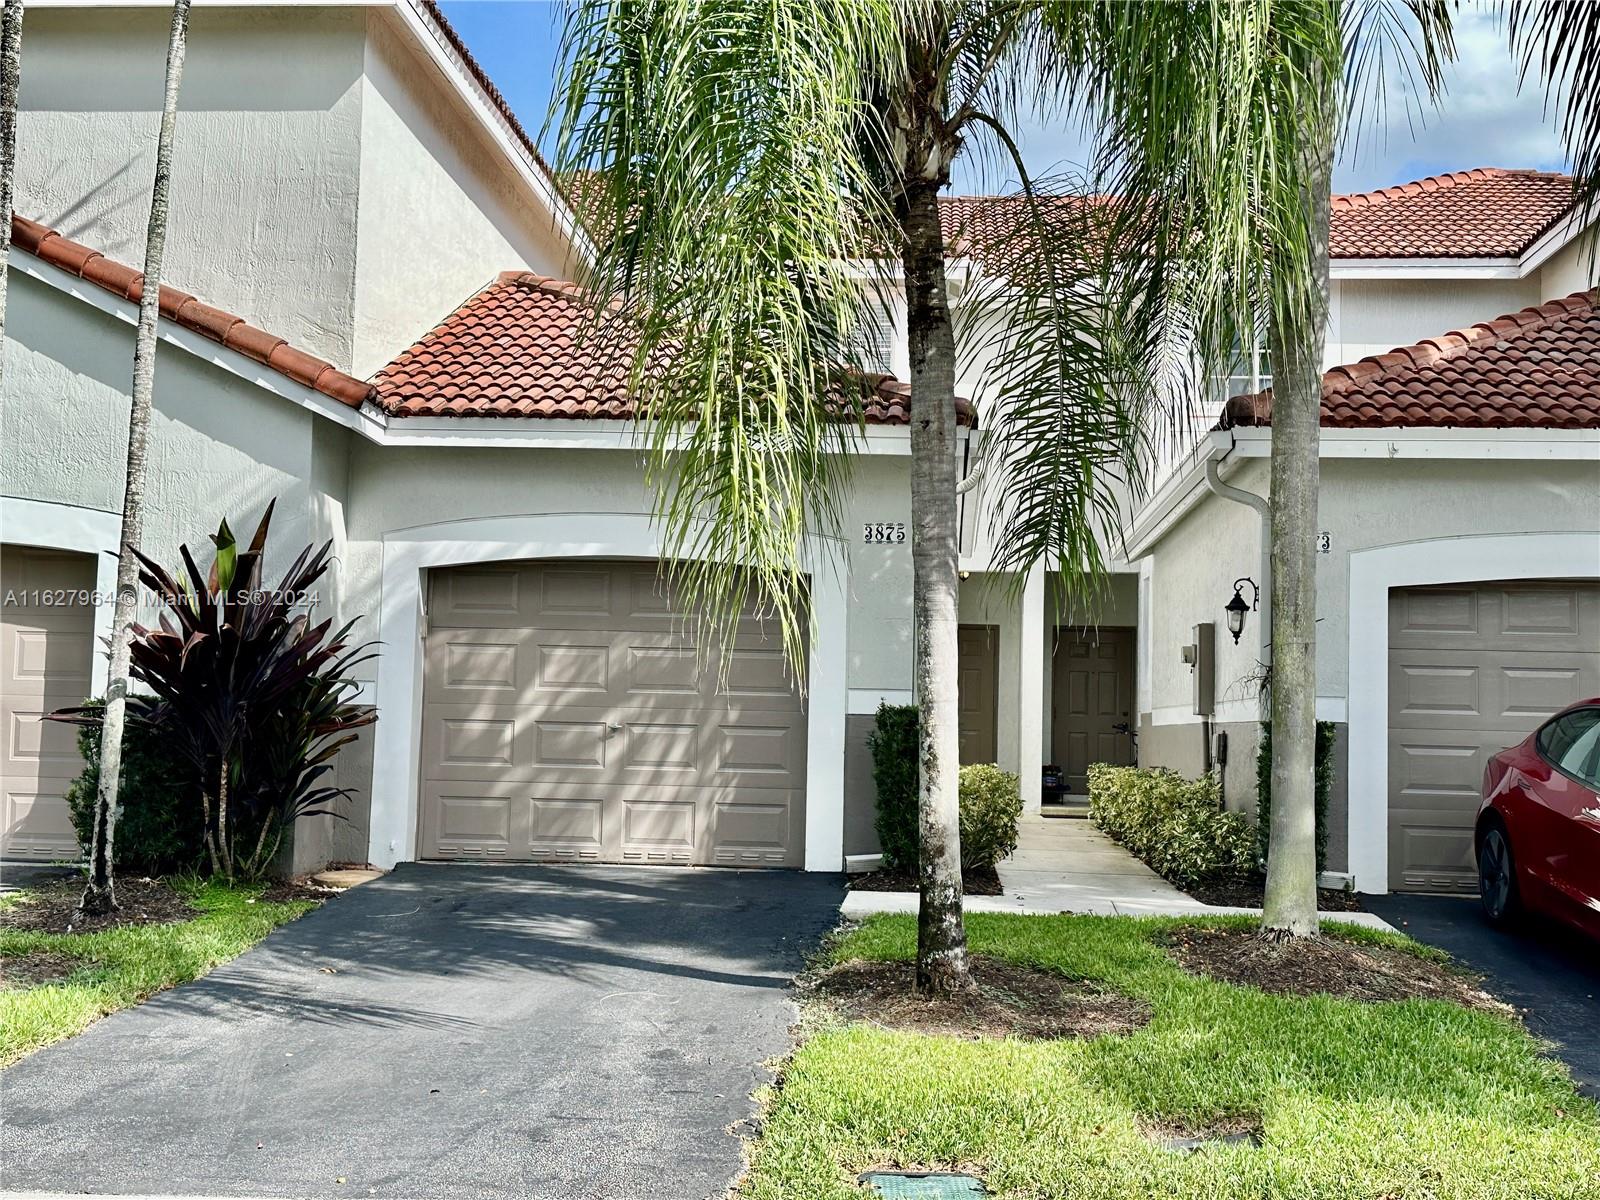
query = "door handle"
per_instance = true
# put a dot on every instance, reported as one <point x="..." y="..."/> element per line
<point x="614" y="726"/>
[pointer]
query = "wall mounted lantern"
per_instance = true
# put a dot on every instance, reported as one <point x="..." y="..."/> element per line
<point x="1237" y="608"/>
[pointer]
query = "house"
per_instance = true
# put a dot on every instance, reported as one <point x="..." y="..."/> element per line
<point x="366" y="320"/>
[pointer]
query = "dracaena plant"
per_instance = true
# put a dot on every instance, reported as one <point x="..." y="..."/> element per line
<point x="253" y="693"/>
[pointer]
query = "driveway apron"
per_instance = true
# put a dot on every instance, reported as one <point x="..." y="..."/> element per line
<point x="446" y="1031"/>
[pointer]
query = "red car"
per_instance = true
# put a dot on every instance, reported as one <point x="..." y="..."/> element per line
<point x="1538" y="834"/>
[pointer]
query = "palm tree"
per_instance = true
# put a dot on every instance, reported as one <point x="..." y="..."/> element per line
<point x="99" y="894"/>
<point x="755" y="167"/>
<point x="10" y="81"/>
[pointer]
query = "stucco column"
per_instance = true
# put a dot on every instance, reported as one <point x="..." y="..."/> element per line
<point x="1030" y="686"/>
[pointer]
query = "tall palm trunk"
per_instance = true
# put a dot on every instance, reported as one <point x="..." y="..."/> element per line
<point x="941" y="934"/>
<point x="10" y="81"/>
<point x="100" y="893"/>
<point x="1296" y="337"/>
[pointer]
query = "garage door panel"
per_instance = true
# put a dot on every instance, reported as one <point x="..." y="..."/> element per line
<point x="757" y="829"/>
<point x="1472" y="669"/>
<point x="37" y="822"/>
<point x="1535" y="616"/>
<point x="468" y="820"/>
<point x="46" y="661"/>
<point x="1493" y="690"/>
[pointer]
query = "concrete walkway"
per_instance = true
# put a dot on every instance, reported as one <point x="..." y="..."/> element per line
<point x="1066" y="865"/>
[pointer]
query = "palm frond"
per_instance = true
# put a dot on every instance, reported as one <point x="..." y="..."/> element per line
<point x="1561" y="43"/>
<point x="729" y="149"/>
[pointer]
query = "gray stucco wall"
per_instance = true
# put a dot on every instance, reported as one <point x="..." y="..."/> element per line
<point x="265" y="166"/>
<point x="860" y="794"/>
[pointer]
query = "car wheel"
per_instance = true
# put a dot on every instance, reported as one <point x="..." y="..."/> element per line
<point x="1497" y="877"/>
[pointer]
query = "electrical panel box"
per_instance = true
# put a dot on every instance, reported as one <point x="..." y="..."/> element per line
<point x="1203" y="668"/>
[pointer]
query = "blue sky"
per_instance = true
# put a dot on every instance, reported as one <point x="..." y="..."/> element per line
<point x="1483" y="121"/>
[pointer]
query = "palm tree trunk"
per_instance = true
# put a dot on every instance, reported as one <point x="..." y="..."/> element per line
<point x="1297" y="337"/>
<point x="941" y="935"/>
<point x="10" y="82"/>
<point x="100" y="893"/>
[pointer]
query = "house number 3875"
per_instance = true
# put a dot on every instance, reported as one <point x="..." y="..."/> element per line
<point x="884" y="532"/>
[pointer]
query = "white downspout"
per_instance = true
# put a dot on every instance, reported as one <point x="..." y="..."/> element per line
<point x="1214" y="455"/>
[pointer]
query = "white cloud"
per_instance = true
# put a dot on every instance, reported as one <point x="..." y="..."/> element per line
<point x="1483" y="120"/>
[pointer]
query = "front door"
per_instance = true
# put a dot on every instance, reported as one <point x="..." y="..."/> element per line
<point x="1091" y="702"/>
<point x="978" y="684"/>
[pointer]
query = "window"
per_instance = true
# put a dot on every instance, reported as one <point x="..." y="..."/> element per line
<point x="1571" y="744"/>
<point x="877" y="341"/>
<point x="1249" y="373"/>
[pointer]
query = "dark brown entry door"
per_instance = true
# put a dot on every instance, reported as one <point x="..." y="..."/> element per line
<point x="978" y="676"/>
<point x="1091" y="701"/>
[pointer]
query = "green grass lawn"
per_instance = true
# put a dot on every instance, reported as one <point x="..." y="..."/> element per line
<point x="124" y="966"/>
<point x="1420" y="1100"/>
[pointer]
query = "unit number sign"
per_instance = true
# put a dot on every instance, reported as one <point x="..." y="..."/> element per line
<point x="889" y="533"/>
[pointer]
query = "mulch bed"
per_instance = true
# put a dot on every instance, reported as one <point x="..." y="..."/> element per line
<point x="1323" y="966"/>
<point x="53" y="908"/>
<point x="34" y="967"/>
<point x="984" y="881"/>
<point x="1247" y="893"/>
<point x="1006" y="1000"/>
<point x="284" y="891"/>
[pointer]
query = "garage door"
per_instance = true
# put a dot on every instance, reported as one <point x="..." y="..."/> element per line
<point x="568" y="715"/>
<point x="1472" y="669"/>
<point x="46" y="648"/>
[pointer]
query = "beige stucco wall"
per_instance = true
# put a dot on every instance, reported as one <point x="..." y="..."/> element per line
<point x="442" y="212"/>
<point x="265" y="165"/>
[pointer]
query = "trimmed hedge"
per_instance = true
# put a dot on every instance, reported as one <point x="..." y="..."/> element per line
<point x="893" y="742"/>
<point x="1176" y="825"/>
<point x="1327" y="732"/>
<point x="991" y="799"/>
<point x="991" y="807"/>
<point x="158" y="803"/>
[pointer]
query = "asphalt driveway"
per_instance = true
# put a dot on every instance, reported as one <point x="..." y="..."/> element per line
<point x="1550" y="975"/>
<point x="443" y="1032"/>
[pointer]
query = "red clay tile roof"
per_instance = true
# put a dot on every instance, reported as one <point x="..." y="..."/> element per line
<point x="1538" y="368"/>
<point x="1488" y="212"/>
<point x="183" y="309"/>
<point x="519" y="349"/>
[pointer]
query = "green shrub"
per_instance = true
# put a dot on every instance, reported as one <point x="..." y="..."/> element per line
<point x="1326" y="734"/>
<point x="991" y="806"/>
<point x="893" y="743"/>
<point x="991" y="799"/>
<point x="1176" y="825"/>
<point x="158" y="819"/>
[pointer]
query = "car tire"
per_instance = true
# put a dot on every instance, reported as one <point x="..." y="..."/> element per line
<point x="1497" y="877"/>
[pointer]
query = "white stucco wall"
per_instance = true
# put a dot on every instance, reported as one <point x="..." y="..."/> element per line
<point x="1373" y="316"/>
<point x="441" y="212"/>
<point x="1570" y="269"/>
<point x="265" y="166"/>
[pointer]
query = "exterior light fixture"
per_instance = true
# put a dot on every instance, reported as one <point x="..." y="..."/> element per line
<point x="1237" y="608"/>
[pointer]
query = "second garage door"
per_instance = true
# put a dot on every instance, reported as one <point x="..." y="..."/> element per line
<point x="568" y="715"/>
<point x="46" y="648"/>
<point x="1472" y="669"/>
